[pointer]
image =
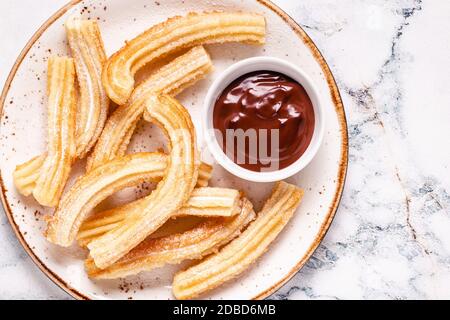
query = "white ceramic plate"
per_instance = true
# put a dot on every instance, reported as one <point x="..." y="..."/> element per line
<point x="22" y="135"/>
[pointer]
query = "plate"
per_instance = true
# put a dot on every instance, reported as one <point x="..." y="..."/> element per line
<point x="22" y="135"/>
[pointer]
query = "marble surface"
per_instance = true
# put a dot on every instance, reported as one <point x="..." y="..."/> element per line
<point x="390" y="237"/>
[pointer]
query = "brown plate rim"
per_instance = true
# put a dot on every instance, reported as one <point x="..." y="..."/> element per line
<point x="343" y="163"/>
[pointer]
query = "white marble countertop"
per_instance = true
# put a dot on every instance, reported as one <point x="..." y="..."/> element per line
<point x="390" y="238"/>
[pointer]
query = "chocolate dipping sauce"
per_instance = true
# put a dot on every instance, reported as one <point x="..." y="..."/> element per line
<point x="266" y="100"/>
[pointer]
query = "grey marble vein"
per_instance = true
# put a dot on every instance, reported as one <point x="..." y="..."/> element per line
<point x="385" y="242"/>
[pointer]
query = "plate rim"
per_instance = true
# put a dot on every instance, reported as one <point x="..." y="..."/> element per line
<point x="343" y="162"/>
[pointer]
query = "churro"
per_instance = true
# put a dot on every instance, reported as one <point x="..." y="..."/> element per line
<point x="61" y="145"/>
<point x="96" y="185"/>
<point x="170" y="194"/>
<point x="205" y="238"/>
<point x="173" y="35"/>
<point x="170" y="79"/>
<point x="88" y="52"/>
<point x="26" y="174"/>
<point x="239" y="254"/>
<point x="204" y="174"/>
<point x="89" y="56"/>
<point x="204" y="202"/>
<point x="211" y="202"/>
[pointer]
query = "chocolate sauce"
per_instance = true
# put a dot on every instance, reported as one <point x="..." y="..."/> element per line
<point x="265" y="100"/>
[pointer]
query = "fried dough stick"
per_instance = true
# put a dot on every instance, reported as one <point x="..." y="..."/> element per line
<point x="96" y="185"/>
<point x="239" y="254"/>
<point x="87" y="49"/>
<point x="205" y="238"/>
<point x="61" y="132"/>
<point x="89" y="56"/>
<point x="171" y="192"/>
<point x="204" y="202"/>
<point x="173" y="35"/>
<point x="170" y="79"/>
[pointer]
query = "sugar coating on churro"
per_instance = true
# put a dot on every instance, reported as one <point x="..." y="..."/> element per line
<point x="61" y="145"/>
<point x="92" y="109"/>
<point x="175" y="34"/>
<point x="205" y="238"/>
<point x="239" y="254"/>
<point x="203" y="202"/>
<point x="95" y="186"/>
<point x="171" y="192"/>
<point x="87" y="49"/>
<point x="170" y="79"/>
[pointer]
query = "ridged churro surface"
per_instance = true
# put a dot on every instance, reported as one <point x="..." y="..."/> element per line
<point x="205" y="238"/>
<point x="204" y="202"/>
<point x="239" y="254"/>
<point x="26" y="174"/>
<point x="60" y="132"/>
<point x="95" y="186"/>
<point x="89" y="55"/>
<point x="170" y="194"/>
<point x="92" y="106"/>
<point x="170" y="79"/>
<point x="173" y="35"/>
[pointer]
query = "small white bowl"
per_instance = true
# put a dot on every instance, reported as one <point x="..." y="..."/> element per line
<point x="235" y="71"/>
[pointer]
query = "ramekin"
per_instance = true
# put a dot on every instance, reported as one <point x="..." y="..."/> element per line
<point x="258" y="64"/>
